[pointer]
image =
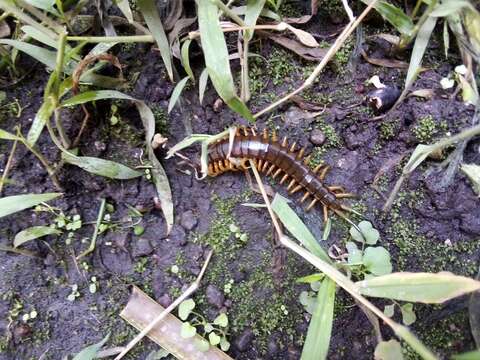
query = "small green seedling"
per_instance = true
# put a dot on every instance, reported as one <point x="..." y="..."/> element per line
<point x="29" y="316"/>
<point x="74" y="294"/>
<point x="243" y="237"/>
<point x="227" y="288"/>
<point x="138" y="230"/>
<point x="408" y="314"/>
<point x="370" y="234"/>
<point x="93" y="287"/>
<point x="215" y="331"/>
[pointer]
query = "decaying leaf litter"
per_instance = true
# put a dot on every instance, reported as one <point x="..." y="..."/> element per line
<point x="428" y="228"/>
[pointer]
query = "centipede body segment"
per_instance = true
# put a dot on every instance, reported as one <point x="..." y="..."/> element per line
<point x="274" y="158"/>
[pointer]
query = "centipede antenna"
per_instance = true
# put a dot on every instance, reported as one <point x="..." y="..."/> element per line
<point x="265" y="134"/>
<point x="342" y="215"/>
<point x="285" y="177"/>
<point x="292" y="148"/>
<point x="349" y="209"/>
<point x="284" y="142"/>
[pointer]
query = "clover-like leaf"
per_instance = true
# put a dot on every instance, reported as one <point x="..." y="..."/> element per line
<point x="354" y="253"/>
<point x="208" y="327"/>
<point x="187" y="330"/>
<point x="221" y="320"/>
<point x="315" y="286"/>
<point x="377" y="260"/>
<point x="185" y="308"/>
<point x="389" y="310"/>
<point x="224" y="344"/>
<point x="202" y="345"/>
<point x="370" y="234"/>
<point x="408" y="315"/>
<point x="214" y="339"/>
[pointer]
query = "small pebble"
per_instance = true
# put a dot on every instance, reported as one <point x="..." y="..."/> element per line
<point x="317" y="137"/>
<point x="188" y="220"/>
<point x="242" y="343"/>
<point x="215" y="296"/>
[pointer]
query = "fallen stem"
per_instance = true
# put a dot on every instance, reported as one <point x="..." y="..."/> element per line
<point x="340" y="279"/>
<point x="328" y="56"/>
<point x="190" y="290"/>
<point x="8" y="165"/>
<point x="101" y="213"/>
<point x="115" y="39"/>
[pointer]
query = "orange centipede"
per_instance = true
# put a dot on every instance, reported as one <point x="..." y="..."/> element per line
<point x="276" y="158"/>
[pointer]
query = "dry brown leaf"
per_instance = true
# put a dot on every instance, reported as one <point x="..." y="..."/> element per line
<point x="389" y="63"/>
<point x="308" y="53"/>
<point x="391" y="39"/>
<point x="423" y="93"/>
<point x="304" y="37"/>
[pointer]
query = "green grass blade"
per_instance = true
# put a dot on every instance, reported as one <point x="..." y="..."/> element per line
<point x="94" y="95"/>
<point x="320" y="329"/>
<point x="297" y="228"/>
<point x="124" y="7"/>
<point x="421" y="42"/>
<point x="186" y="59"/>
<point x="216" y="57"/>
<point x="102" y="167"/>
<point x="254" y="8"/>
<point x="150" y="14"/>
<point x="177" y="91"/>
<point x="33" y="233"/>
<point x="5" y="135"/>
<point x="13" y="204"/>
<point x="42" y="55"/>
<point x="202" y="84"/>
<point x="41" y="117"/>
<point x="395" y="16"/>
<point x="418" y="287"/>
<point x="90" y="352"/>
<point x="39" y="36"/>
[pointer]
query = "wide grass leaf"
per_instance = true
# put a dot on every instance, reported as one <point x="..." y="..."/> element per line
<point x="15" y="203"/>
<point x="473" y="173"/>
<point x="418" y="287"/>
<point x="388" y="350"/>
<point x="90" y="352"/>
<point x="5" y="135"/>
<point x="41" y="117"/>
<point x="102" y="167"/>
<point x="252" y="12"/>
<point x="320" y="328"/>
<point x="150" y="14"/>
<point x="186" y="59"/>
<point x="297" y="228"/>
<point x="44" y="56"/>
<point x="177" y="91"/>
<point x="216" y="57"/>
<point x="395" y="16"/>
<point x="33" y="233"/>
<point x="471" y="355"/>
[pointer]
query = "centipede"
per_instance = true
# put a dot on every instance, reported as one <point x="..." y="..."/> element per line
<point x="278" y="158"/>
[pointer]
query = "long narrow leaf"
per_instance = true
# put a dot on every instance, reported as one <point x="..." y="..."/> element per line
<point x="320" y="329"/>
<point x="90" y="352"/>
<point x="5" y="135"/>
<point x="45" y="56"/>
<point x="186" y="59"/>
<point x="216" y="57"/>
<point x="202" y="84"/>
<point x="15" y="203"/>
<point x="150" y="14"/>
<point x="297" y="228"/>
<point x="177" y="91"/>
<point x="41" y="117"/>
<point x="101" y="167"/>
<point x="419" y="48"/>
<point x="124" y="7"/>
<point x="254" y="8"/>
<point x="418" y="287"/>
<point x="33" y="233"/>
<point x="395" y="16"/>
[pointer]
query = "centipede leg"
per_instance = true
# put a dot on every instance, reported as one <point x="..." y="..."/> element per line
<point x="324" y="172"/>
<point x="336" y="188"/>
<point x="345" y="195"/>
<point x="325" y="213"/>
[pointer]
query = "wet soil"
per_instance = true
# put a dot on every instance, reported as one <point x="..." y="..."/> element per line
<point x="428" y="229"/>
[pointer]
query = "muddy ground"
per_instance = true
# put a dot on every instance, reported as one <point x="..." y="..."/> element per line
<point x="428" y="229"/>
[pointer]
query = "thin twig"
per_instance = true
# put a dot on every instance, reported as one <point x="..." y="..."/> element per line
<point x="348" y="10"/>
<point x="93" y="242"/>
<point x="191" y="289"/>
<point x="8" y="165"/>
<point x="328" y="56"/>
